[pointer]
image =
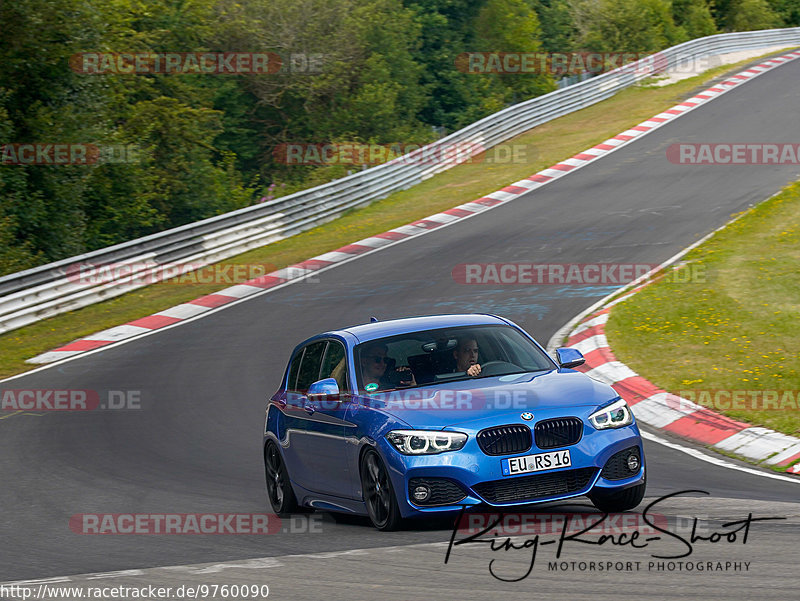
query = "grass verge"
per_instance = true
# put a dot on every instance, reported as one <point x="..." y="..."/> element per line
<point x="727" y="335"/>
<point x="540" y="147"/>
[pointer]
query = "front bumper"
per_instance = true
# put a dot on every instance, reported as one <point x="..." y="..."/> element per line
<point x="482" y="482"/>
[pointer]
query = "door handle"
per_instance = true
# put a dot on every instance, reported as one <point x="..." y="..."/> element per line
<point x="309" y="408"/>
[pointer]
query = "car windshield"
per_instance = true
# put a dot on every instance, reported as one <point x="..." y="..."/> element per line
<point x="445" y="355"/>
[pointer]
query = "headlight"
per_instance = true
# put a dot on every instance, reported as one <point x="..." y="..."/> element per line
<point x="426" y="442"/>
<point x="615" y="415"/>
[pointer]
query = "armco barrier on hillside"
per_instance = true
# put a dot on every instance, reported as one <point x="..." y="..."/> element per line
<point x="42" y="292"/>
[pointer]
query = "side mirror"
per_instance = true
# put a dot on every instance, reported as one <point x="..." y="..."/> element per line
<point x="569" y="357"/>
<point x="322" y="388"/>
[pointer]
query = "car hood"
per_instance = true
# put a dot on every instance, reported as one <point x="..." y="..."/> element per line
<point x="484" y="402"/>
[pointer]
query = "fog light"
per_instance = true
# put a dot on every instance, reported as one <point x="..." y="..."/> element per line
<point x="633" y="463"/>
<point x="421" y="493"/>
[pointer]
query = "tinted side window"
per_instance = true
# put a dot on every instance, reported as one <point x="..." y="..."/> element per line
<point x="293" y="371"/>
<point x="309" y="368"/>
<point x="334" y="365"/>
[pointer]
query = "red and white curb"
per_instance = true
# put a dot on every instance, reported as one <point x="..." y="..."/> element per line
<point x="656" y="407"/>
<point x="305" y="269"/>
<point x="671" y="413"/>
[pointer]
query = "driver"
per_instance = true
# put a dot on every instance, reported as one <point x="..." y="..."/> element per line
<point x="373" y="370"/>
<point x="466" y="355"/>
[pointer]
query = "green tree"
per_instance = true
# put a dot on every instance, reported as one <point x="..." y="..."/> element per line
<point x="368" y="87"/>
<point x="178" y="175"/>
<point x="695" y="17"/>
<point x="625" y="25"/>
<point x="788" y="11"/>
<point x="446" y="32"/>
<point x="750" y="15"/>
<point x="16" y="253"/>
<point x="558" y="28"/>
<point x="47" y="102"/>
<point x="508" y="26"/>
<point x="59" y="211"/>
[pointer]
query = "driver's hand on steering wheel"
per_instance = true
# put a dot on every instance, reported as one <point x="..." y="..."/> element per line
<point x="474" y="370"/>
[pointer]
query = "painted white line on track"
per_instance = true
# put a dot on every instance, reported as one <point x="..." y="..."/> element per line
<point x="697" y="454"/>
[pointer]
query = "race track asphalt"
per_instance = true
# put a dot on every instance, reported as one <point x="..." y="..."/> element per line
<point x="195" y="444"/>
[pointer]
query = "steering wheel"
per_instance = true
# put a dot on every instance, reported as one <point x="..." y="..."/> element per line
<point x="493" y="368"/>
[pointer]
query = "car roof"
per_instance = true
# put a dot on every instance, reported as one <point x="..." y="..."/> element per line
<point x="391" y="327"/>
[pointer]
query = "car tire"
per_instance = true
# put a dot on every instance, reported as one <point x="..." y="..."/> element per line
<point x="616" y="502"/>
<point x="279" y="488"/>
<point x="378" y="493"/>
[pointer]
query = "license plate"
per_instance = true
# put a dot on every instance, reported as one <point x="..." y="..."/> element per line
<point x="536" y="463"/>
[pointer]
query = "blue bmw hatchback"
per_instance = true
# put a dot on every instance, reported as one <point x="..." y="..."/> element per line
<point x="413" y="416"/>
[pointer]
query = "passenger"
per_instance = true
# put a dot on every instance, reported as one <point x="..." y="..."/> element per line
<point x="466" y="355"/>
<point x="373" y="370"/>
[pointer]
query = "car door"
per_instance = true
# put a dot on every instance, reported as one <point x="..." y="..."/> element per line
<point x="303" y="371"/>
<point x="327" y="430"/>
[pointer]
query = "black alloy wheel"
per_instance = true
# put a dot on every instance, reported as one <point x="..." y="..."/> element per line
<point x="378" y="493"/>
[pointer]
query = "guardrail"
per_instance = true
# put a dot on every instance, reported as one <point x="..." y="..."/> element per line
<point x="41" y="292"/>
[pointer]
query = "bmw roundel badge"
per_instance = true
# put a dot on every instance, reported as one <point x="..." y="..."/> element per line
<point x="527" y="416"/>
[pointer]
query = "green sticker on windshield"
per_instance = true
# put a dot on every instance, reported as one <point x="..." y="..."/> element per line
<point x="371" y="387"/>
